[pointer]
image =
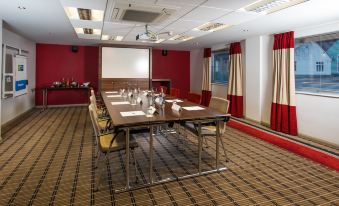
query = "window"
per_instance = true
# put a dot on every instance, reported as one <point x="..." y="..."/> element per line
<point x="220" y="67"/>
<point x="320" y="66"/>
<point x="317" y="58"/>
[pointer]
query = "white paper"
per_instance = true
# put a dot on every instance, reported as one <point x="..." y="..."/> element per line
<point x="119" y="103"/>
<point x="111" y="92"/>
<point x="173" y="100"/>
<point x="176" y="107"/>
<point x="193" y="108"/>
<point x="132" y="113"/>
<point x="111" y="96"/>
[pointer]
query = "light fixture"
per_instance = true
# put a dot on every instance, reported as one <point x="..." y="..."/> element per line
<point x="84" y="14"/>
<point x="181" y="37"/>
<point x="79" y="30"/>
<point x="118" y="38"/>
<point x="72" y="12"/>
<point x="105" y="37"/>
<point x="87" y="31"/>
<point x="159" y="41"/>
<point x="270" y="6"/>
<point x="211" y="27"/>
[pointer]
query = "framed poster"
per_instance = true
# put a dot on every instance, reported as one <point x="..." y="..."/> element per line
<point x="20" y="71"/>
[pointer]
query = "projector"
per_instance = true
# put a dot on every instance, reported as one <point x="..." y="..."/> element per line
<point x="147" y="37"/>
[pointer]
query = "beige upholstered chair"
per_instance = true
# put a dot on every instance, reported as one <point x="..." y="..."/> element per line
<point x="110" y="142"/>
<point x="209" y="129"/>
<point x="104" y="124"/>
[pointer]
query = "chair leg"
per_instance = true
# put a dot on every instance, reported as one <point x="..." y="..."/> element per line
<point x="98" y="156"/>
<point x="99" y="176"/>
<point x="135" y="165"/>
<point x="223" y="147"/>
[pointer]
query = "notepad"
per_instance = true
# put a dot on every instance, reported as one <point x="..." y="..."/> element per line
<point x="111" y="96"/>
<point x="111" y="92"/>
<point x="132" y="113"/>
<point x="119" y="103"/>
<point x="173" y="100"/>
<point x="193" y="108"/>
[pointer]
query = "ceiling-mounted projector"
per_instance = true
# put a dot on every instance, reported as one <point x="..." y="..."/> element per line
<point x="150" y="35"/>
<point x="147" y="36"/>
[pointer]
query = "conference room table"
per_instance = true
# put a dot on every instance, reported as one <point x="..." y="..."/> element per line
<point x="164" y="115"/>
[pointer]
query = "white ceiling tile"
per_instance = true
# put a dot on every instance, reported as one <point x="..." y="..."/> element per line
<point x="85" y="4"/>
<point x="205" y="14"/>
<point x="237" y="17"/>
<point x="86" y="24"/>
<point x="228" y="4"/>
<point x="181" y="2"/>
<point x="88" y="36"/>
<point x="184" y="25"/>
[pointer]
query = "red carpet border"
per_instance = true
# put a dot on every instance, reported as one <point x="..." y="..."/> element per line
<point x="299" y="149"/>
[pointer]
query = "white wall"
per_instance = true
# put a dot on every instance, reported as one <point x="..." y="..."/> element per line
<point x="253" y="78"/>
<point x="318" y="116"/>
<point x="13" y="107"/>
<point x="0" y="67"/>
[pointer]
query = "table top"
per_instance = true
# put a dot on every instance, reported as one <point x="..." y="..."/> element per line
<point x="165" y="113"/>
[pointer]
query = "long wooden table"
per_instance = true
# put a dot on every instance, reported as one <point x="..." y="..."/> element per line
<point x="164" y="114"/>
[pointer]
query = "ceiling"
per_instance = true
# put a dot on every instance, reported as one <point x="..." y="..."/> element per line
<point x="45" y="21"/>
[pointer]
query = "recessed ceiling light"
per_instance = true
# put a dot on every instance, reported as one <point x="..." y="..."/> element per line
<point x="159" y="40"/>
<point x="118" y="38"/>
<point x="84" y="14"/>
<point x="22" y="7"/>
<point x="87" y="31"/>
<point x="181" y="37"/>
<point x="79" y="30"/>
<point x="72" y="12"/>
<point x="270" y="6"/>
<point x="105" y="37"/>
<point x="211" y="27"/>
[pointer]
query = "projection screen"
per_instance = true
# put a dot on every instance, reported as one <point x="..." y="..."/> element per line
<point x="125" y="62"/>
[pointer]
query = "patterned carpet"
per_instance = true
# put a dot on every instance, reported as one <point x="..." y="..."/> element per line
<point x="48" y="159"/>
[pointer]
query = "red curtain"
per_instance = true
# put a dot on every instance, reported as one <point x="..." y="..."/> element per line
<point x="234" y="93"/>
<point x="206" y="84"/>
<point x="283" y="110"/>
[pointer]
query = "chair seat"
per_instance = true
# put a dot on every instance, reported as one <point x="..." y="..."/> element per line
<point x="118" y="144"/>
<point x="205" y="130"/>
<point x="102" y="124"/>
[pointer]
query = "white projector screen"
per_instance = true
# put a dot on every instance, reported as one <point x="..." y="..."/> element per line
<point x="125" y="62"/>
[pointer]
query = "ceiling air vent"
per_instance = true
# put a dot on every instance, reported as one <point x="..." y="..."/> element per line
<point x="211" y="27"/>
<point x="150" y="13"/>
<point x="181" y="37"/>
<point x="139" y="16"/>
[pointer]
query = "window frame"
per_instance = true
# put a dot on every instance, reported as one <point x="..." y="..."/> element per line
<point x="320" y="67"/>
<point x="226" y="50"/>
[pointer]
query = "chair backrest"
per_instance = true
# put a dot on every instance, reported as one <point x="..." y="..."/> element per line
<point x="163" y="88"/>
<point x="92" y="92"/>
<point x="175" y="92"/>
<point x="94" y="123"/>
<point x="220" y="105"/>
<point x="195" y="98"/>
<point x="93" y="101"/>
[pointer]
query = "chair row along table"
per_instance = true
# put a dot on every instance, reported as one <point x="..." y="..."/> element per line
<point x="126" y="117"/>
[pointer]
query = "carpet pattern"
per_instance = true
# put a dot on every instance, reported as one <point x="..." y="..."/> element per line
<point x="48" y="159"/>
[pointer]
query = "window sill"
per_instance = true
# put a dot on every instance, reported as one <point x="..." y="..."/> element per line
<point x="318" y="94"/>
<point x="220" y="84"/>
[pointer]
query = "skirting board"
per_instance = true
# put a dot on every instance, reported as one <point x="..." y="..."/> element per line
<point x="329" y="160"/>
<point x="62" y="105"/>
<point x="5" y="126"/>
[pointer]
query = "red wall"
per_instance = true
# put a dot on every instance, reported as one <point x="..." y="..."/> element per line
<point x="174" y="66"/>
<point x="54" y="62"/>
